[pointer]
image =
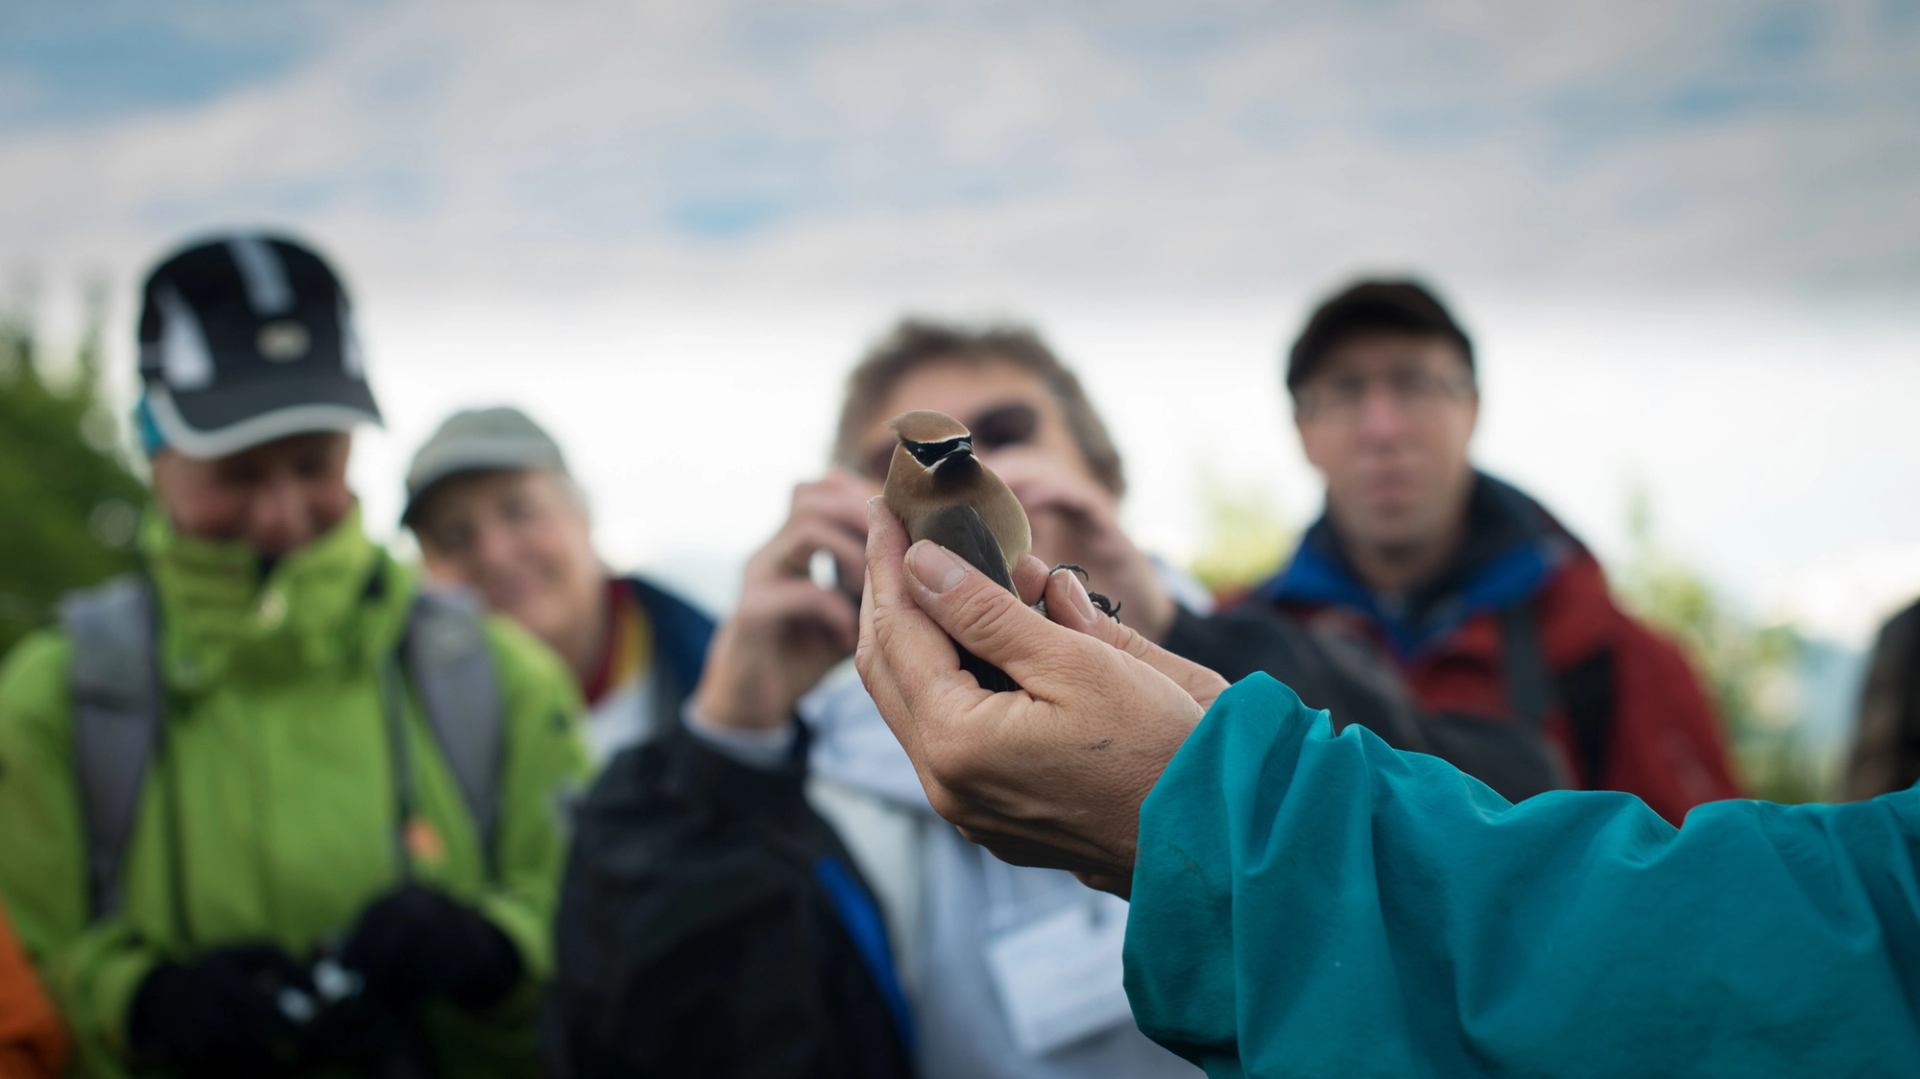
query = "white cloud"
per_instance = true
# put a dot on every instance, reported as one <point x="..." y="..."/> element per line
<point x="1155" y="183"/>
<point x="558" y="140"/>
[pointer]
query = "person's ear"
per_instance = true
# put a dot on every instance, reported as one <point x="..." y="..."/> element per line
<point x="1307" y="444"/>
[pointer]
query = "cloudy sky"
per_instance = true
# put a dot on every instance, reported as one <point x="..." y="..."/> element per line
<point x="1686" y="236"/>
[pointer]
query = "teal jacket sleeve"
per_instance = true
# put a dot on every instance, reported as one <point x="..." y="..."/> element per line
<point x="1313" y="904"/>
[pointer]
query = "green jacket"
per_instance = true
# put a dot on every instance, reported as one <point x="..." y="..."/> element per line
<point x="271" y="811"/>
<point x="1306" y="903"/>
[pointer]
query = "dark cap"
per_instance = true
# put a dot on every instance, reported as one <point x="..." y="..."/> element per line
<point x="246" y="338"/>
<point x="1368" y="307"/>
<point x="479" y="440"/>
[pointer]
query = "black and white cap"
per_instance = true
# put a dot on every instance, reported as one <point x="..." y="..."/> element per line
<point x="247" y="338"/>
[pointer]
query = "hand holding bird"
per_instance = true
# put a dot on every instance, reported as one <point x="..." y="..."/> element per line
<point x="941" y="492"/>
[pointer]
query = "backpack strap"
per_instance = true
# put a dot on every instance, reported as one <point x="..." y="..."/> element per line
<point x="114" y="679"/>
<point x="1524" y="665"/>
<point x="1585" y="691"/>
<point x="1906" y="761"/>
<point x="451" y="666"/>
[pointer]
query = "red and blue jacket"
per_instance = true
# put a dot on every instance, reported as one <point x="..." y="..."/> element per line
<point x="1520" y="628"/>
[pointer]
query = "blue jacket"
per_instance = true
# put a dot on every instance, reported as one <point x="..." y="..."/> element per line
<point x="1312" y="904"/>
<point x="681" y="634"/>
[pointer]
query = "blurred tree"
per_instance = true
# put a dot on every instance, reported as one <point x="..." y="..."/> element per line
<point x="1246" y="536"/>
<point x="1750" y="669"/>
<point x="72" y="504"/>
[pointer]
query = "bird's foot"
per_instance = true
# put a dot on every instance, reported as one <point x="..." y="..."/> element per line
<point x="1101" y="603"/>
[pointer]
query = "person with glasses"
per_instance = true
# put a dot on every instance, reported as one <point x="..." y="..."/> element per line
<point x="971" y="966"/>
<point x="1495" y="615"/>
<point x="1006" y="971"/>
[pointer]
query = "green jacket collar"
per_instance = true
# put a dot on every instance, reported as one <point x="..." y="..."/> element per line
<point x="336" y="600"/>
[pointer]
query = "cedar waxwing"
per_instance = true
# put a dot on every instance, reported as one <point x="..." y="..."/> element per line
<point x="941" y="492"/>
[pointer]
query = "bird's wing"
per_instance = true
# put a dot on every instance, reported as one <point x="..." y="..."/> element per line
<point x="961" y="530"/>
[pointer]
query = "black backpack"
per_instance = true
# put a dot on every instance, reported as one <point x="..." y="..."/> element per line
<point x="1344" y="676"/>
<point x="711" y="923"/>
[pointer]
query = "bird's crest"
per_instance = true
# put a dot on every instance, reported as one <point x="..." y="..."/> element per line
<point x="926" y="425"/>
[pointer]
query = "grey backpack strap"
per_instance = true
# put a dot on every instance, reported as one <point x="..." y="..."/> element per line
<point x="1524" y="666"/>
<point x="451" y="665"/>
<point x="114" y="679"/>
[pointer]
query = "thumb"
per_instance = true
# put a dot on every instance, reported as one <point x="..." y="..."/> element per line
<point x="986" y="619"/>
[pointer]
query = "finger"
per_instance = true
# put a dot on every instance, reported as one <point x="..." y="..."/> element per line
<point x="872" y="666"/>
<point x="801" y="604"/>
<point x="1030" y="580"/>
<point x="1048" y="496"/>
<point x="1069" y="605"/>
<point x="837" y="498"/>
<point x="1051" y="488"/>
<point x="990" y="621"/>
<point x="886" y="550"/>
<point x="790" y="551"/>
<point x="877" y="676"/>
<point x="844" y="478"/>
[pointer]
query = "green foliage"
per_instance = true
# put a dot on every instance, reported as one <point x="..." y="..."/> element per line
<point x="1247" y="536"/>
<point x="1750" y="669"/>
<point x="72" y="504"/>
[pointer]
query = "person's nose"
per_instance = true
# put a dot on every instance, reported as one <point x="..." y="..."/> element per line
<point x="492" y="546"/>
<point x="278" y="517"/>
<point x="1382" y="416"/>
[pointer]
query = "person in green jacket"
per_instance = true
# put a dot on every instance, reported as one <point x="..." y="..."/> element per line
<point x="1306" y="903"/>
<point x="239" y="836"/>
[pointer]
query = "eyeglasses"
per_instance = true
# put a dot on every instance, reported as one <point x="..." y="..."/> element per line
<point x="1414" y="390"/>
<point x="1014" y="423"/>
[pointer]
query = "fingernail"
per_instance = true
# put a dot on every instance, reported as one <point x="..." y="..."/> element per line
<point x="1077" y="592"/>
<point x="935" y="566"/>
<point x="873" y="508"/>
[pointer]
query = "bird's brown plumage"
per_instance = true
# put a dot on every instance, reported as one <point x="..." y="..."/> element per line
<point x="941" y="492"/>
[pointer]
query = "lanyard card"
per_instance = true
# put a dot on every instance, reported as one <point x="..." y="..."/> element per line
<point x="1059" y="976"/>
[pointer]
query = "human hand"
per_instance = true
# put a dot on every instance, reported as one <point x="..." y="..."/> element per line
<point x="787" y="631"/>
<point x="417" y="943"/>
<point x="218" y="1014"/>
<point x="1052" y="774"/>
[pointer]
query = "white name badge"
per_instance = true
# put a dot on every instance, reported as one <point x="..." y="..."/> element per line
<point x="1059" y="976"/>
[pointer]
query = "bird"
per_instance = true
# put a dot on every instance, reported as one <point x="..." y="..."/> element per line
<point x="941" y="492"/>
